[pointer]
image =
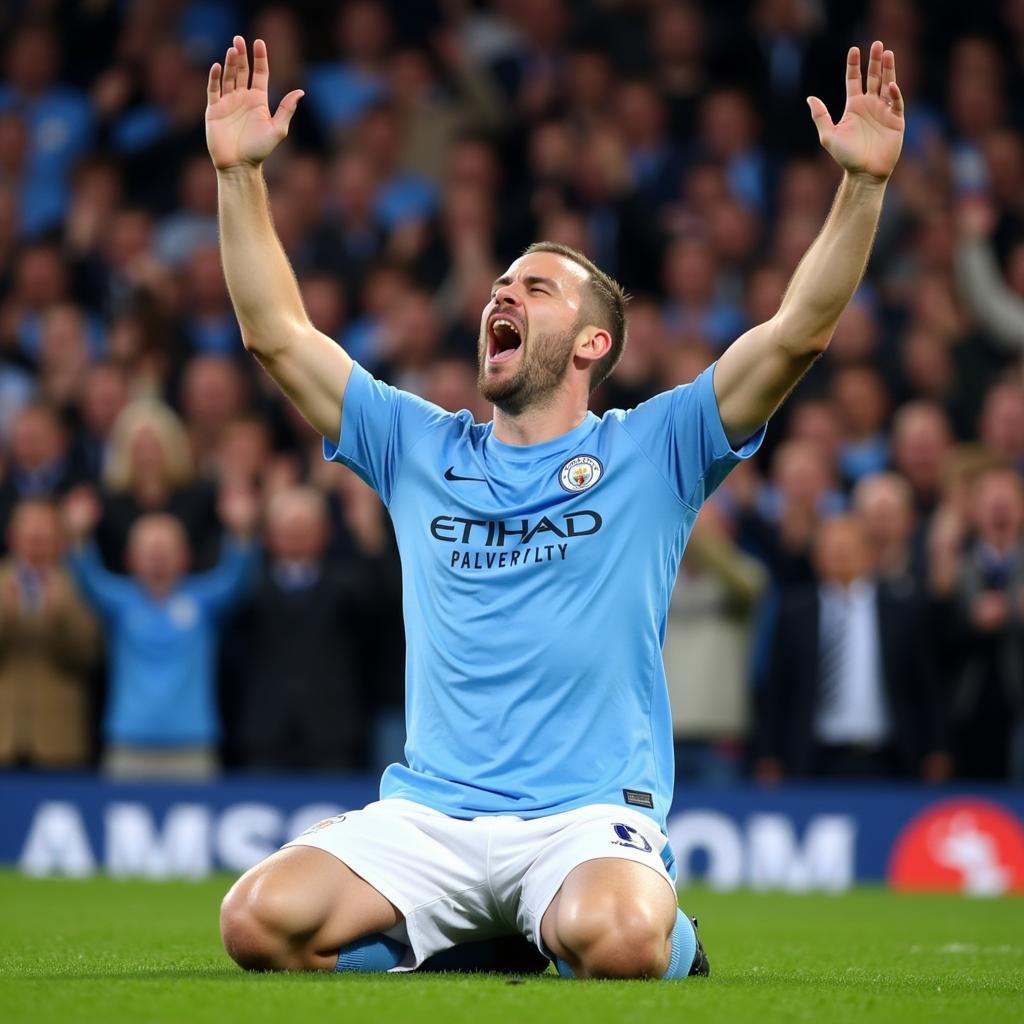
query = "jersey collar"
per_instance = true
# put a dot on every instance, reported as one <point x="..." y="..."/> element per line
<point x="533" y="452"/>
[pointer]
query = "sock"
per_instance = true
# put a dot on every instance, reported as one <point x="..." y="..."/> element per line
<point x="371" y="953"/>
<point x="684" y="949"/>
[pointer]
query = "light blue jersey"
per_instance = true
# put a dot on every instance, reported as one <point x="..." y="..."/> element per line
<point x="536" y="589"/>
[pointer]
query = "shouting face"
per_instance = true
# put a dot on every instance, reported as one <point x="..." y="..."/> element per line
<point x="529" y="329"/>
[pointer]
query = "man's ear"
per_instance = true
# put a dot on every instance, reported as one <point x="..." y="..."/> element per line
<point x="594" y="344"/>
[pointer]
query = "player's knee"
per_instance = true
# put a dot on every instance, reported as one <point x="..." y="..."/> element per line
<point x="245" y="939"/>
<point x="257" y="925"/>
<point x="616" y="940"/>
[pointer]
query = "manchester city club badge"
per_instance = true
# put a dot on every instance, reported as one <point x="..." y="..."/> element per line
<point x="580" y="473"/>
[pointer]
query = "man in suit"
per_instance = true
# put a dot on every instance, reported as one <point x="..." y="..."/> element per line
<point x="292" y="667"/>
<point x="850" y="691"/>
<point x="981" y="616"/>
<point x="49" y="645"/>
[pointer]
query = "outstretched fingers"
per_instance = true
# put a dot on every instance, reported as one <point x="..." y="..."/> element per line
<point x="888" y="70"/>
<point x="896" y="97"/>
<point x="242" y="72"/>
<point x="875" y="69"/>
<point x="821" y="117"/>
<point x="230" y="67"/>
<point x="286" y="109"/>
<point x="260" y="66"/>
<point x="854" y="85"/>
<point x="213" y="85"/>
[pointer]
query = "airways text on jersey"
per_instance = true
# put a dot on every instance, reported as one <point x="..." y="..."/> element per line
<point x="524" y="541"/>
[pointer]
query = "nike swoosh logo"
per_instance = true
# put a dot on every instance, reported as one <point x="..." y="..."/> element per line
<point x="449" y="475"/>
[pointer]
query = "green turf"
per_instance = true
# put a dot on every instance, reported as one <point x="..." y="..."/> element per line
<point x="106" y="951"/>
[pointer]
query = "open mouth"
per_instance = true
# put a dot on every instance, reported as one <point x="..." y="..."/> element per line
<point x="504" y="338"/>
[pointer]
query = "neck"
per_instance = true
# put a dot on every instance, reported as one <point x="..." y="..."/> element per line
<point x="540" y="423"/>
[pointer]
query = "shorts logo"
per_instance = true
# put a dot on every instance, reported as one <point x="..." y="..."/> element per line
<point x="629" y="836"/>
<point x="580" y="473"/>
<point x="965" y="845"/>
<point x="324" y="823"/>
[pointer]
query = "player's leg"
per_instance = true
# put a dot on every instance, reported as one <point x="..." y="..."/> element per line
<point x="595" y="895"/>
<point x="297" y="909"/>
<point x="612" y="918"/>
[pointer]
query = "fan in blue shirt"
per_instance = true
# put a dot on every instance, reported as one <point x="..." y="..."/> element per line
<point x="162" y="630"/>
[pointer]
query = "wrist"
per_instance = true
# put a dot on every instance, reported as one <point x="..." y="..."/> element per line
<point x="867" y="184"/>
<point x="241" y="172"/>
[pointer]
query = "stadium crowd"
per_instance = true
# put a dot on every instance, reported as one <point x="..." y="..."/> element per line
<point x="185" y="583"/>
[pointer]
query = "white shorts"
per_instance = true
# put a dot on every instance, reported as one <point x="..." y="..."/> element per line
<point x="459" y="881"/>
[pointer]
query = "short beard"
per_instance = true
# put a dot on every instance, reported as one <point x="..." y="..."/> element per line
<point x="539" y="376"/>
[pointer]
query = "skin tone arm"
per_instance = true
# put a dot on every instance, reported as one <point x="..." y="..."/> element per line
<point x="760" y="368"/>
<point x="310" y="368"/>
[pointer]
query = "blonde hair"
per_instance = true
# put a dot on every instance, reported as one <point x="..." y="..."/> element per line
<point x="148" y="414"/>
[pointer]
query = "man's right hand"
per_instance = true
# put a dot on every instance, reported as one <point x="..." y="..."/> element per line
<point x="240" y="130"/>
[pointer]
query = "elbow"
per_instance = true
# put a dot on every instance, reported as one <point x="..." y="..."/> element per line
<point x="254" y="343"/>
<point x="803" y="339"/>
<point x="259" y="345"/>
<point x="272" y="335"/>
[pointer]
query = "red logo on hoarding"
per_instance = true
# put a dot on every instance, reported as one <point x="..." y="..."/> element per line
<point x="965" y="845"/>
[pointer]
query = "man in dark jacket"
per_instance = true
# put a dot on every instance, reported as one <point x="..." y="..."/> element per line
<point x="850" y="692"/>
<point x="295" y="671"/>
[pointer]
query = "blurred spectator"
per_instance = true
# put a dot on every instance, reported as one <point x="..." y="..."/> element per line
<point x="299" y="700"/>
<point x="401" y="198"/>
<point x="156" y="137"/>
<point x="40" y="281"/>
<point x="435" y="113"/>
<point x="779" y="521"/>
<point x="63" y="356"/>
<point x="163" y="628"/>
<point x="209" y="321"/>
<point x="851" y="692"/>
<point x="921" y="440"/>
<point x="41" y="463"/>
<point x="58" y="120"/>
<point x="102" y="398"/>
<point x="776" y="58"/>
<point x="49" y="643"/>
<point x="696" y="305"/>
<point x="149" y="469"/>
<point x="983" y="610"/>
<point x="340" y="92"/>
<point x="213" y="393"/>
<point x="678" y="44"/>
<point x="863" y="405"/>
<point x="707" y="651"/>
<point x="884" y="504"/>
<point x="996" y="304"/>
<point x="193" y="223"/>
<point x="1001" y="424"/>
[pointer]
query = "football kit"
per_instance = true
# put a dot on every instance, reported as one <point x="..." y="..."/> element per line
<point x="536" y="582"/>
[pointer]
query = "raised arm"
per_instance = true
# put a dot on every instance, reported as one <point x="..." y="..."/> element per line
<point x="310" y="368"/>
<point x="759" y="369"/>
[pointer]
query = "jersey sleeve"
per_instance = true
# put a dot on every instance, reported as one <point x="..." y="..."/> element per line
<point x="681" y="432"/>
<point x="379" y="426"/>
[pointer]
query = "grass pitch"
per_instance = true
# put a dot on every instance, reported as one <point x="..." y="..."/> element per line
<point x="105" y="951"/>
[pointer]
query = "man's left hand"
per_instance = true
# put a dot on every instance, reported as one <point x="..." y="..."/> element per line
<point x="868" y="138"/>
